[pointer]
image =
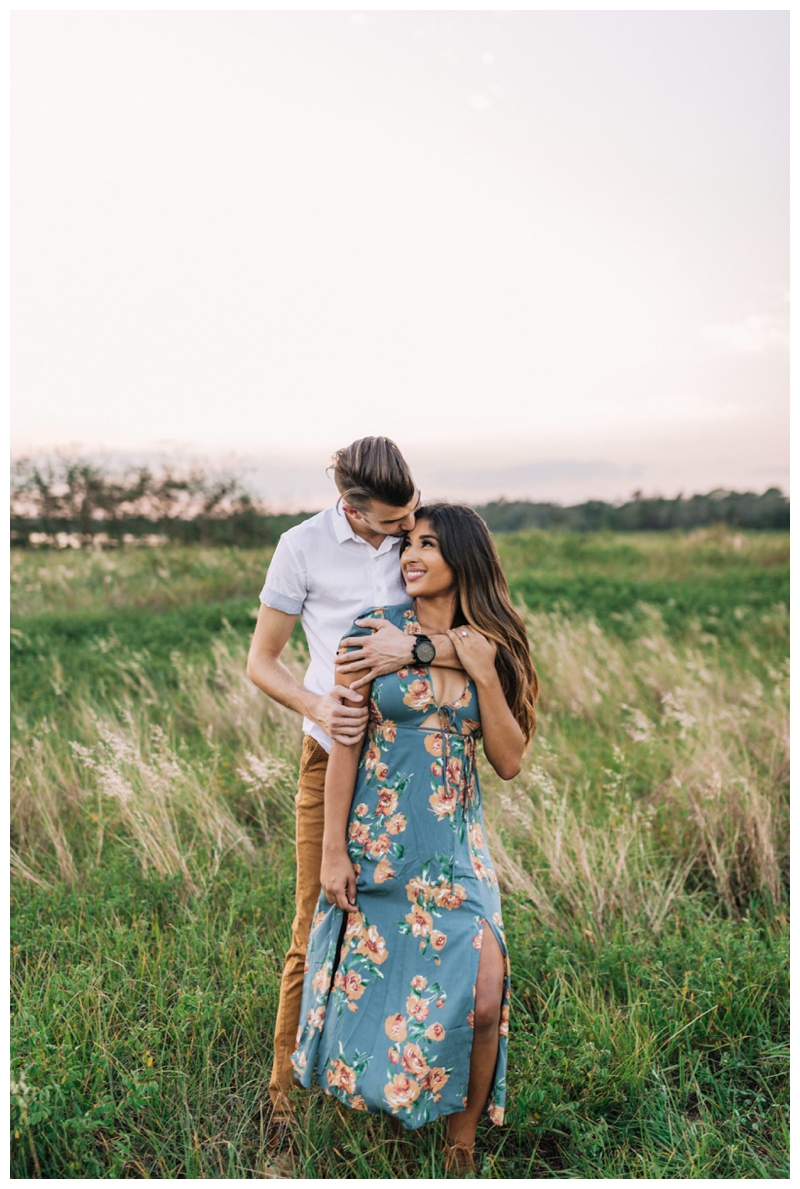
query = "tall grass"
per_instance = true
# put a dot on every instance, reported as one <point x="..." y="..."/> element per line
<point x="655" y="765"/>
<point x="133" y="775"/>
<point x="642" y="851"/>
<point x="661" y="770"/>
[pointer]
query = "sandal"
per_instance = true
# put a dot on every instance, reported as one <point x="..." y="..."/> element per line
<point x="459" y="1158"/>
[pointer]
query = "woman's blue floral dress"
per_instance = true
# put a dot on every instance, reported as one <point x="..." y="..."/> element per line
<point x="389" y="990"/>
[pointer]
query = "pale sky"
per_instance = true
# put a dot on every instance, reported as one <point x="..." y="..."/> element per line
<point x="547" y="250"/>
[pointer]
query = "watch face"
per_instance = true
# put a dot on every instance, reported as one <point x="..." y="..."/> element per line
<point x="425" y="652"/>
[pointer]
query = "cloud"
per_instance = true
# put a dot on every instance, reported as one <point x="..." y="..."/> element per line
<point x="758" y="332"/>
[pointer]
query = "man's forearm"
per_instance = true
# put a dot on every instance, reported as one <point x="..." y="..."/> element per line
<point x="386" y="650"/>
<point x="446" y="655"/>
<point x="271" y="675"/>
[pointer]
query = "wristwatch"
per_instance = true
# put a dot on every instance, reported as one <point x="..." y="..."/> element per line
<point x="423" y="651"/>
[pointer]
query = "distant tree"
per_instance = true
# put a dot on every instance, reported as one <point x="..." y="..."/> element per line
<point x="75" y="497"/>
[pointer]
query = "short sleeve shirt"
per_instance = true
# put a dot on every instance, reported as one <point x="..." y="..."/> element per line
<point x="323" y="572"/>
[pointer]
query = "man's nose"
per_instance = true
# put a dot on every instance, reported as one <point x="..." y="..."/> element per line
<point x="408" y="523"/>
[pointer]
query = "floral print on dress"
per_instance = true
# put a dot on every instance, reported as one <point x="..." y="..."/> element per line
<point x="403" y="968"/>
<point x="429" y="900"/>
<point x="373" y="831"/>
<point x="418" y="1081"/>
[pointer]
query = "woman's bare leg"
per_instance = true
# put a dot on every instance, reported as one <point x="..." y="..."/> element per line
<point x="461" y="1127"/>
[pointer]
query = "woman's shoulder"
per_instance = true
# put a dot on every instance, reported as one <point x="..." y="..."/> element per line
<point x="399" y="614"/>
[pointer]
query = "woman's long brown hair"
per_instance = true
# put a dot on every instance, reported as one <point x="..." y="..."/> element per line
<point x="484" y="603"/>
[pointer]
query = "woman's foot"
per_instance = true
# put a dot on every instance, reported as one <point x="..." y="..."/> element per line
<point x="459" y="1159"/>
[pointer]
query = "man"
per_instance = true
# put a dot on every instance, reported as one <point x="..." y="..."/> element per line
<point x="327" y="570"/>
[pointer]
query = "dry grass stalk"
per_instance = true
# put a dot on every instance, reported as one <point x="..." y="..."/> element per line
<point x="153" y="789"/>
<point x="42" y="810"/>
<point x="572" y="832"/>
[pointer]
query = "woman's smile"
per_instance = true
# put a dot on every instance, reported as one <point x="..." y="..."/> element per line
<point x="413" y="572"/>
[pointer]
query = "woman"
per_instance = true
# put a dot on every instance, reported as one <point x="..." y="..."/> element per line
<point x="406" y="991"/>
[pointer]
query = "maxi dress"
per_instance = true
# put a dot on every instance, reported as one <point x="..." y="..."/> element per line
<point x="389" y="991"/>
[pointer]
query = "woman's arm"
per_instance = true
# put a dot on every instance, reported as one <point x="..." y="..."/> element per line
<point x="337" y="877"/>
<point x="503" y="740"/>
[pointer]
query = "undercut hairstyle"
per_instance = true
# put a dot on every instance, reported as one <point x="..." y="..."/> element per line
<point x="484" y="602"/>
<point x="372" y="469"/>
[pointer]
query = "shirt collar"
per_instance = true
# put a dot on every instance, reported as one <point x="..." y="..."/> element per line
<point x="344" y="532"/>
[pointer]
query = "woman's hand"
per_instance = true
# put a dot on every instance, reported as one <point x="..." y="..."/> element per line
<point x="338" y="879"/>
<point x="475" y="652"/>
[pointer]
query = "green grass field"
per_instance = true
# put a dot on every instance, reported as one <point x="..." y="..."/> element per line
<point x="643" y="852"/>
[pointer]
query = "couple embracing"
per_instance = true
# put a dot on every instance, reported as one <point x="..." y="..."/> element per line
<point x="395" y="990"/>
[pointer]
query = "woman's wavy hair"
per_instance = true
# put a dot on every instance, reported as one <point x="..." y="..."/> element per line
<point x="484" y="603"/>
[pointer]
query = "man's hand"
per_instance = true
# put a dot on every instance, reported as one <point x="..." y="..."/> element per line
<point x="385" y="651"/>
<point x="338" y="880"/>
<point x="344" y="723"/>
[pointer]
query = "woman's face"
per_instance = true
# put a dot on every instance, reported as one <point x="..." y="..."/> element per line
<point x="425" y="572"/>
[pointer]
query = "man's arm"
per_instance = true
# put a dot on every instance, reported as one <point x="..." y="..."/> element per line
<point x="344" y="723"/>
<point x="386" y="650"/>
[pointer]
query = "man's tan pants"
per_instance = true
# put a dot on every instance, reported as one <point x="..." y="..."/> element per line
<point x="310" y="801"/>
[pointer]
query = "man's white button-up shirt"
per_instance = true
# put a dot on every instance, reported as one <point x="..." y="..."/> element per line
<point x="323" y="572"/>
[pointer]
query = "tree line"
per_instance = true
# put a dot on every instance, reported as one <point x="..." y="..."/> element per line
<point x="74" y="502"/>
<point x="740" y="509"/>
